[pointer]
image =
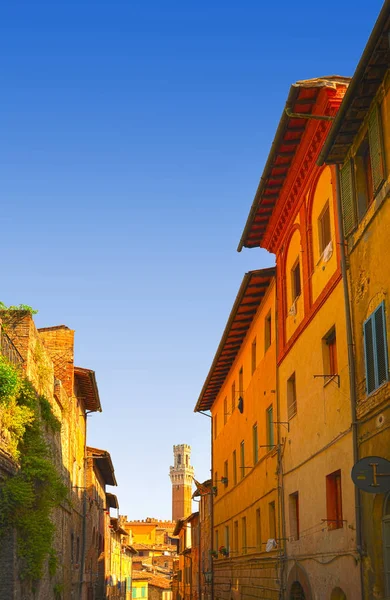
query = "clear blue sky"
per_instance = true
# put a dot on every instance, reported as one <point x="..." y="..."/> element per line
<point x="133" y="136"/>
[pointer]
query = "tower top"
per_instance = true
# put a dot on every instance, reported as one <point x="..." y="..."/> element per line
<point x="181" y="475"/>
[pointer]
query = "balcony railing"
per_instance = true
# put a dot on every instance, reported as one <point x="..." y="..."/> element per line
<point x="9" y="351"/>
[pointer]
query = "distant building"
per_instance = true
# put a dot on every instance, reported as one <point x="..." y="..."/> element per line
<point x="181" y="475"/>
<point x="187" y="582"/>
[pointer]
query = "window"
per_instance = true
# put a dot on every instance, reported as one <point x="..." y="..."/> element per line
<point x="241" y="382"/>
<point x="227" y="537"/>
<point x="187" y="460"/>
<point x="254" y="358"/>
<point x="255" y="444"/>
<point x="243" y="535"/>
<point x="324" y="233"/>
<point x="272" y="520"/>
<point x="143" y="592"/>
<point x="235" y="537"/>
<point x="375" y="349"/>
<point x="226" y="473"/>
<point x="225" y="411"/>
<point x="215" y="427"/>
<point x="258" y="529"/>
<point x="270" y="426"/>
<point x="134" y="592"/>
<point x="233" y="396"/>
<point x="267" y="331"/>
<point x="291" y="397"/>
<point x="179" y="459"/>
<point x="330" y="354"/>
<point x="296" y="281"/>
<point x="242" y="453"/>
<point x="234" y="467"/>
<point x="294" y="516"/>
<point x="333" y="501"/>
<point x="216" y="483"/>
<point x="361" y="179"/>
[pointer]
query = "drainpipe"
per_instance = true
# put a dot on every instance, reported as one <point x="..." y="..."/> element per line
<point x="282" y="520"/>
<point x="352" y="370"/>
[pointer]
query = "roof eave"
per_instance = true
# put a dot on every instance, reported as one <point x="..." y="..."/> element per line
<point x="294" y="91"/>
<point x="355" y="81"/>
<point x="240" y="295"/>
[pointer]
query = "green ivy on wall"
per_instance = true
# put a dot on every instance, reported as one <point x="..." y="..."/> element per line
<point x="28" y="498"/>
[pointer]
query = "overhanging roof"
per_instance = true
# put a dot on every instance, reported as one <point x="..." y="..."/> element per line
<point x="112" y="501"/>
<point x="103" y="462"/>
<point x="369" y="75"/>
<point x="86" y="382"/>
<point x="250" y="295"/>
<point x="180" y="523"/>
<point x="302" y="99"/>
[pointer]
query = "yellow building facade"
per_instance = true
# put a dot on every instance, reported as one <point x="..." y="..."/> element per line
<point x="240" y="392"/>
<point x="359" y="144"/>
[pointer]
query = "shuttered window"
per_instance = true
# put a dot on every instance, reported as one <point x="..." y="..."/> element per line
<point x="376" y="148"/>
<point x="375" y="349"/>
<point x="347" y="198"/>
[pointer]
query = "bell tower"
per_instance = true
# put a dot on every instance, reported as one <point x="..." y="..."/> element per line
<point x="181" y="478"/>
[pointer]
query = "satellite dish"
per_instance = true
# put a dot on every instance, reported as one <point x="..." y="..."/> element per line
<point x="240" y="404"/>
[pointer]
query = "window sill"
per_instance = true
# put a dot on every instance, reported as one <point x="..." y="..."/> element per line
<point x="378" y="389"/>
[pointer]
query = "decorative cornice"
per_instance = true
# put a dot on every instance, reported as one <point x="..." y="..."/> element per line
<point x="300" y="172"/>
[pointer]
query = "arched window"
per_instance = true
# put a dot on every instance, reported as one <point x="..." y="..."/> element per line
<point x="297" y="592"/>
<point x="338" y="594"/>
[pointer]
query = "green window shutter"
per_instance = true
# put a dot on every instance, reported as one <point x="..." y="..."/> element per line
<point x="369" y="355"/>
<point x="381" y="344"/>
<point x="376" y="149"/>
<point x="347" y="198"/>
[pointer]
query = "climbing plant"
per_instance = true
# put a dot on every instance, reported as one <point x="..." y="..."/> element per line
<point x="21" y="307"/>
<point x="28" y="498"/>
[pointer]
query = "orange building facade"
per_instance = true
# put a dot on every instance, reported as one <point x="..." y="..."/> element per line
<point x="240" y="392"/>
<point x="294" y="215"/>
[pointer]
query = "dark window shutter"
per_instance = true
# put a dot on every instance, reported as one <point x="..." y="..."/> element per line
<point x="347" y="198"/>
<point x="369" y="355"/>
<point x="376" y="149"/>
<point x="381" y="345"/>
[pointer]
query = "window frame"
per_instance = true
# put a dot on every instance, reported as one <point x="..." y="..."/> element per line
<point x="255" y="443"/>
<point x="268" y="330"/>
<point x="270" y="427"/>
<point x="234" y="467"/>
<point x="253" y="355"/>
<point x="242" y="459"/>
<point x="296" y="280"/>
<point x="372" y="320"/>
<point x="292" y="388"/>
<point x="294" y="516"/>
<point x="321" y="233"/>
<point x="334" y="501"/>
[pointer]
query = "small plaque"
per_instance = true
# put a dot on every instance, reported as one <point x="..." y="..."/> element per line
<point x="372" y="474"/>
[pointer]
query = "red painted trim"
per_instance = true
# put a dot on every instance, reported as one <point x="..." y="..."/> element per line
<point x="326" y="292"/>
<point x="302" y="168"/>
<point x="305" y="261"/>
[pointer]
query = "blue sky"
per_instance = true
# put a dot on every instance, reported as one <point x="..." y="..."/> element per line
<point x="133" y="136"/>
